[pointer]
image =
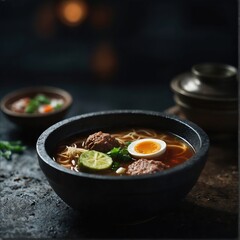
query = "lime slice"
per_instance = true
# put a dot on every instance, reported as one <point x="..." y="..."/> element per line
<point x="94" y="160"/>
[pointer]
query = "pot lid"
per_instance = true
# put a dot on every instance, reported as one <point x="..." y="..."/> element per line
<point x="208" y="81"/>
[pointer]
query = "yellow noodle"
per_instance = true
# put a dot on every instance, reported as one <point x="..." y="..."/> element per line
<point x="182" y="149"/>
<point x="135" y="135"/>
<point x="64" y="160"/>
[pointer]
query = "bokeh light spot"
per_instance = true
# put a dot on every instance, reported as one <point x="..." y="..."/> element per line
<point x="72" y="12"/>
<point x="104" y="62"/>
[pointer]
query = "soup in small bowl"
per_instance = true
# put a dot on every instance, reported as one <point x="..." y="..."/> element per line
<point x="125" y="165"/>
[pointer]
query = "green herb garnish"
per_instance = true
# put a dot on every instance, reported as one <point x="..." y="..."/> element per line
<point x="42" y="99"/>
<point x="35" y="102"/>
<point x="32" y="106"/>
<point x="58" y="106"/>
<point x="115" y="165"/>
<point x="120" y="153"/>
<point x="7" y="148"/>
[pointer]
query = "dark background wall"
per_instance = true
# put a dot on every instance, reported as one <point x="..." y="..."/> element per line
<point x="134" y="41"/>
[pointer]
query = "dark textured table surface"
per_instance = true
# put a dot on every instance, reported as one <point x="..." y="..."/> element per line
<point x="30" y="209"/>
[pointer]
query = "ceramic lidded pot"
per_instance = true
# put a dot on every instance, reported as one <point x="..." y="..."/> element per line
<point x="208" y="96"/>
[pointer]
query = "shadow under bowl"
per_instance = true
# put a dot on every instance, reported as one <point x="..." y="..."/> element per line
<point x="122" y="198"/>
<point x="35" y="120"/>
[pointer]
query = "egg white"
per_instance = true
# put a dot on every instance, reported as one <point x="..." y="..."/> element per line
<point x="131" y="148"/>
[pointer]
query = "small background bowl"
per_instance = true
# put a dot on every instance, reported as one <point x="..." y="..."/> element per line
<point x="122" y="198"/>
<point x="36" y="120"/>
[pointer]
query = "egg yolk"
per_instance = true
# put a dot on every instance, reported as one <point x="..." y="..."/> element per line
<point x="147" y="147"/>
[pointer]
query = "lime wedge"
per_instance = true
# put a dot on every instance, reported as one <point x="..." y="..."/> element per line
<point x="94" y="160"/>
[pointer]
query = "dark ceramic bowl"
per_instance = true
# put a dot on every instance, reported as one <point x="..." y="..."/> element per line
<point x="36" y="120"/>
<point x="122" y="198"/>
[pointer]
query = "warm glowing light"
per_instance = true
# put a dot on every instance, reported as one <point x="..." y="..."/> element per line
<point x="104" y="61"/>
<point x="73" y="12"/>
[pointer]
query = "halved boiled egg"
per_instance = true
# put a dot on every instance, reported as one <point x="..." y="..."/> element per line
<point x="147" y="148"/>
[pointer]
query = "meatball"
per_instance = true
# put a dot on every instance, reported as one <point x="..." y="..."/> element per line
<point x="145" y="166"/>
<point x="102" y="142"/>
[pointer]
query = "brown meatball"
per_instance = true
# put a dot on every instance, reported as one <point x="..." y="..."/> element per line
<point x="145" y="166"/>
<point x="102" y="142"/>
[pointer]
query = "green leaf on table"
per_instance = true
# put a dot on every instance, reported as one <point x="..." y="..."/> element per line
<point x="7" y="148"/>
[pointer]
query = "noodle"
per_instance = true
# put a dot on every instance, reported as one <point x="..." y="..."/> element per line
<point x="179" y="149"/>
<point x="69" y="155"/>
<point x="135" y="135"/>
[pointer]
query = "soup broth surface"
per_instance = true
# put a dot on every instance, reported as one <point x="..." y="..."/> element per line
<point x="177" y="150"/>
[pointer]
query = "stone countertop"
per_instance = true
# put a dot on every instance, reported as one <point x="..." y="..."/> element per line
<point x="30" y="208"/>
